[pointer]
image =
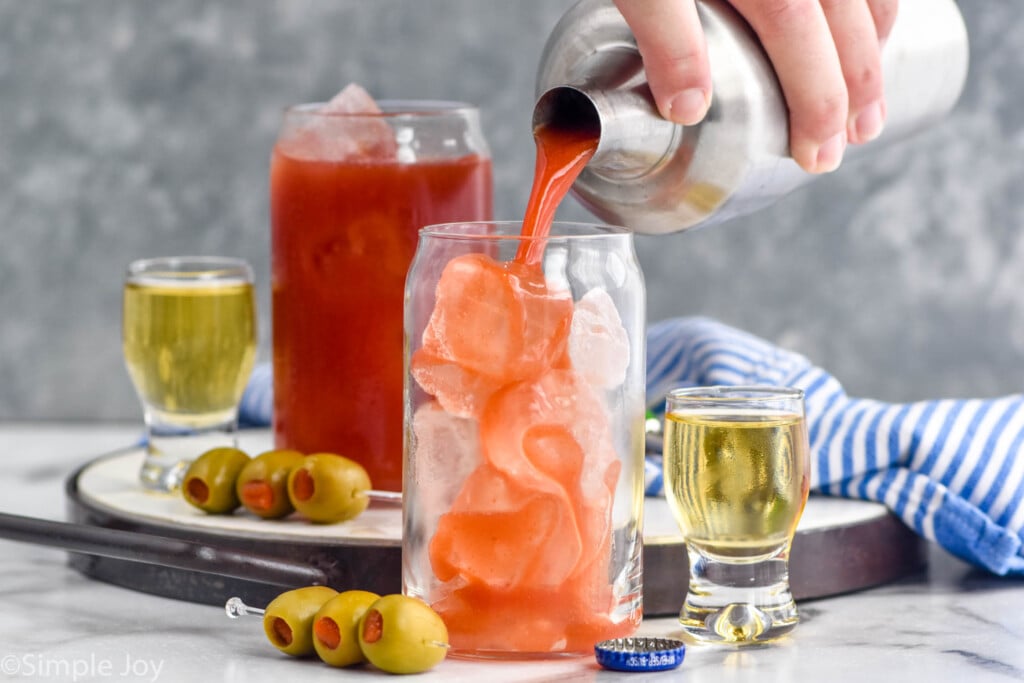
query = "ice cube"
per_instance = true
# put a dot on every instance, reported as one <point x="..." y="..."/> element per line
<point x="498" y="320"/>
<point x="461" y="392"/>
<point x="553" y="434"/>
<point x="348" y="128"/>
<point x="352" y="99"/>
<point x="598" y="343"/>
<point x="447" y="450"/>
<point x="553" y="411"/>
<point x="552" y="449"/>
<point x="538" y="508"/>
<point x="502" y="534"/>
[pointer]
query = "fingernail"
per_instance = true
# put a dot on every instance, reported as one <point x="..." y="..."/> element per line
<point x="830" y="153"/>
<point x="689" y="107"/>
<point x="867" y="123"/>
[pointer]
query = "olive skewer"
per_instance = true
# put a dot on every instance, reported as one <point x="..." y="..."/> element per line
<point x="291" y="613"/>
<point x="323" y="487"/>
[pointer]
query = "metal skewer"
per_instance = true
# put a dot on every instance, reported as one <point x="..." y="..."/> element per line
<point x="236" y="608"/>
<point x="394" y="497"/>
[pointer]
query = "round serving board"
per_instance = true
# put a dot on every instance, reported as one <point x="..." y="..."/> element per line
<point x="840" y="545"/>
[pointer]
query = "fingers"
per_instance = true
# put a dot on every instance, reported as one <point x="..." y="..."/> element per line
<point x="671" y="42"/>
<point x="826" y="54"/>
<point x="796" y="36"/>
<point x="884" y="14"/>
<point x="853" y="29"/>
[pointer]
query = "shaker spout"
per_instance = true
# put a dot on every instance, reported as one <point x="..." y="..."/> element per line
<point x="633" y="139"/>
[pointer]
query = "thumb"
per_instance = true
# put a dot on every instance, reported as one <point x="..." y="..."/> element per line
<point x="671" y="42"/>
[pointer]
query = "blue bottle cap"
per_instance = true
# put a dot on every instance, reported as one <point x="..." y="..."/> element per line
<point x="640" y="654"/>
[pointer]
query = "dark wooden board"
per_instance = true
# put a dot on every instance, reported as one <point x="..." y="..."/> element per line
<point x="840" y="547"/>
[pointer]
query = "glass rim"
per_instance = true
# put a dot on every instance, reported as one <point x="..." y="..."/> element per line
<point x="735" y="393"/>
<point x="594" y="231"/>
<point x="180" y="268"/>
<point x="390" y="109"/>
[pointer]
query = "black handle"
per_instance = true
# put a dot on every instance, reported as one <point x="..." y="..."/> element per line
<point x="159" y="550"/>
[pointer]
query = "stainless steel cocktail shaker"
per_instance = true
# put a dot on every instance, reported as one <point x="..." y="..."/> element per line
<point x="657" y="177"/>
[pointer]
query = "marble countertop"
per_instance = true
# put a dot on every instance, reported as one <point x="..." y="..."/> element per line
<point x="949" y="623"/>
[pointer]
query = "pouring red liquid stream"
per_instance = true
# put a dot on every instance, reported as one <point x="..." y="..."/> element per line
<point x="561" y="155"/>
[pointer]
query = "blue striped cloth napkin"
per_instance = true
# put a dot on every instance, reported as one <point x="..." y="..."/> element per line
<point x="950" y="469"/>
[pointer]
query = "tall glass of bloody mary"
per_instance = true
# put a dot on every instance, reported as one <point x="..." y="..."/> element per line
<point x="522" y="508"/>
<point x="349" y="192"/>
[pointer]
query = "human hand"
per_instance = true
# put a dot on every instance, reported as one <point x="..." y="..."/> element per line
<point x="826" y="53"/>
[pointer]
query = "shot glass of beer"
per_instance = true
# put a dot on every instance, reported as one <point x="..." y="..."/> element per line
<point x="189" y="333"/>
<point x="736" y="478"/>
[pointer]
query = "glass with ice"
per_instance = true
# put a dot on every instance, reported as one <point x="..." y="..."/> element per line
<point x="352" y="181"/>
<point x="524" y="436"/>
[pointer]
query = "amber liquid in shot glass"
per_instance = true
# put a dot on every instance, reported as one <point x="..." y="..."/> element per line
<point x="189" y="334"/>
<point x="736" y="478"/>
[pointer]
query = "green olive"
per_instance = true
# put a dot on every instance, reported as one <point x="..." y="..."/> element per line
<point x="328" y="488"/>
<point x="209" y="482"/>
<point x="262" y="484"/>
<point x="288" y="619"/>
<point x="335" y="627"/>
<point x="402" y="635"/>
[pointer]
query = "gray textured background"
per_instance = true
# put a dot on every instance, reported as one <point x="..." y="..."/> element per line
<point x="132" y="129"/>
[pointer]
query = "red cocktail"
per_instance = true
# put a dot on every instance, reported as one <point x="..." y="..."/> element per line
<point x="348" y="194"/>
<point x="525" y="431"/>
